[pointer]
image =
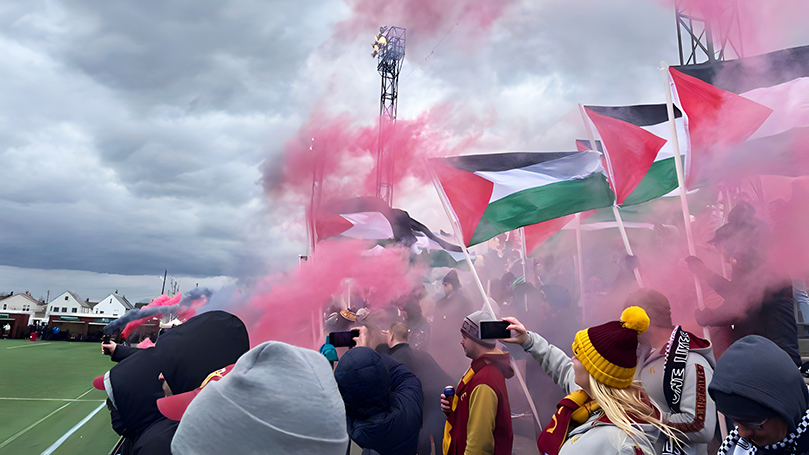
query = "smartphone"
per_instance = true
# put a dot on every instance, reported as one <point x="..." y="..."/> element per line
<point x="494" y="329"/>
<point x="106" y="340"/>
<point x="344" y="338"/>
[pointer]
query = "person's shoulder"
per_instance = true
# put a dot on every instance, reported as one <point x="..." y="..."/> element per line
<point x="490" y="373"/>
<point x="598" y="437"/>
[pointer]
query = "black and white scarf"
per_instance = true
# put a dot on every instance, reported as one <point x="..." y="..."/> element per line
<point x="674" y="373"/>
<point x="789" y="442"/>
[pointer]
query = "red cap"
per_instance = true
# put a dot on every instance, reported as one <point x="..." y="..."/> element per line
<point x="174" y="406"/>
<point x="98" y="382"/>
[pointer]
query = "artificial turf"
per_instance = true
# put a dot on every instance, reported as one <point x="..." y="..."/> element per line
<point x="35" y="379"/>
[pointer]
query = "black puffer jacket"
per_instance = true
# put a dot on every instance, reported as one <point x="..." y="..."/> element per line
<point x="201" y="345"/>
<point x="383" y="402"/>
<point x="185" y="355"/>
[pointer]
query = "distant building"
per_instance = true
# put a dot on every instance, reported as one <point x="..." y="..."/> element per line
<point x="20" y="311"/>
<point x="24" y="303"/>
<point x="113" y="306"/>
<point x="68" y="304"/>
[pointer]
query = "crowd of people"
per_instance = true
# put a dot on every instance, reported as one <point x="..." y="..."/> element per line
<point x="637" y="384"/>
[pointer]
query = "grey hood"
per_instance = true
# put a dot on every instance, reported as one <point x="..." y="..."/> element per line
<point x="756" y="369"/>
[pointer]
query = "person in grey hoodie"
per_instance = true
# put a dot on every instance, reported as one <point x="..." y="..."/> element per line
<point x="675" y="368"/>
<point x="757" y="385"/>
<point x="276" y="399"/>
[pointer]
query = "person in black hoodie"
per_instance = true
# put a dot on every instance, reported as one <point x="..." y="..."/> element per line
<point x="433" y="380"/>
<point x="757" y="385"/>
<point x="758" y="300"/>
<point x="183" y="358"/>
<point x="383" y="402"/>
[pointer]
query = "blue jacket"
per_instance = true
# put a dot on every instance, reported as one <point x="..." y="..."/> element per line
<point x="383" y="402"/>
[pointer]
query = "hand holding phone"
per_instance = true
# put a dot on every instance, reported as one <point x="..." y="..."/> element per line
<point x="105" y="343"/>
<point x="494" y="330"/>
<point x="339" y="339"/>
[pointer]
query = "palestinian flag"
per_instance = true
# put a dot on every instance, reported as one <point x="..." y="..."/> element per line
<point x="443" y="254"/>
<point x="627" y="121"/>
<point x="629" y="151"/>
<point x="746" y="116"/>
<point x="370" y="218"/>
<point x="537" y="234"/>
<point x="359" y="218"/>
<point x="492" y="194"/>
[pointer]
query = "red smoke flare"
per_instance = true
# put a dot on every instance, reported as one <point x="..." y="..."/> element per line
<point x="163" y="300"/>
<point x="285" y="312"/>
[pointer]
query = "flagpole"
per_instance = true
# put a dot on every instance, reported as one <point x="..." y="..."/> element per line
<point x="692" y="250"/>
<point x="524" y="259"/>
<point x="615" y="212"/>
<point x="523" y="252"/>
<point x="581" y="269"/>
<point x="678" y="165"/>
<point x="456" y="229"/>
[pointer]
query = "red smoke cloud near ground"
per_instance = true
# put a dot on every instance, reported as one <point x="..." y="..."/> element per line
<point x="285" y="311"/>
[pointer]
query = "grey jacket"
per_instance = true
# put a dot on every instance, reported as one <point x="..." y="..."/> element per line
<point x="697" y="416"/>
<point x="593" y="436"/>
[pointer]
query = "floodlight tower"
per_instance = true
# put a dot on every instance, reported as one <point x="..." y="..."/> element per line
<point x="389" y="48"/>
<point x="707" y="40"/>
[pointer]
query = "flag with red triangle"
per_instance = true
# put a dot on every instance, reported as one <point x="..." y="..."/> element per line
<point x="661" y="178"/>
<point x="496" y="193"/>
<point x="629" y="151"/>
<point x="745" y="116"/>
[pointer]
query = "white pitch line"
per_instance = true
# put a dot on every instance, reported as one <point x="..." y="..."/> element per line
<point x="64" y="437"/>
<point x="71" y="400"/>
<point x="9" y="440"/>
<point x="28" y="345"/>
<point x="25" y="430"/>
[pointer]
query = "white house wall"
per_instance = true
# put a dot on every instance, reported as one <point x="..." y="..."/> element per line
<point x="109" y="306"/>
<point x="66" y="305"/>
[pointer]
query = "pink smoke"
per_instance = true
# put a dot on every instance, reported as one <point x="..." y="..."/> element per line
<point x="761" y="27"/>
<point x="145" y="344"/>
<point x="424" y="19"/>
<point x="789" y="209"/>
<point x="292" y="307"/>
<point x="183" y="313"/>
<point x="161" y="301"/>
<point x="344" y="151"/>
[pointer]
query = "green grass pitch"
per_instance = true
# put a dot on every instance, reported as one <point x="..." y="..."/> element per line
<point x="45" y="390"/>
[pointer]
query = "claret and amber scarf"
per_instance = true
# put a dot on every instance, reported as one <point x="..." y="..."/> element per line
<point x="576" y="408"/>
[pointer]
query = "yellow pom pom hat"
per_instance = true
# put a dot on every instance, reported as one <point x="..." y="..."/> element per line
<point x="609" y="351"/>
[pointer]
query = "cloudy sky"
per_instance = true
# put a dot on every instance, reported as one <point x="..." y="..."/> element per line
<point x="138" y="137"/>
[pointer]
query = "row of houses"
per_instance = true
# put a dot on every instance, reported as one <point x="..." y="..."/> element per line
<point x="67" y="311"/>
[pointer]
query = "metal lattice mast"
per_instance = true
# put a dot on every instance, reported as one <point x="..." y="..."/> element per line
<point x="389" y="48"/>
<point x="703" y="40"/>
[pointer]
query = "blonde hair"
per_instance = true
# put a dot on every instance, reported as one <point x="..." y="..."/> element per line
<point x="622" y="406"/>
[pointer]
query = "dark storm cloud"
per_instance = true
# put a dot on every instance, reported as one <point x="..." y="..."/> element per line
<point x="132" y="134"/>
<point x="200" y="55"/>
